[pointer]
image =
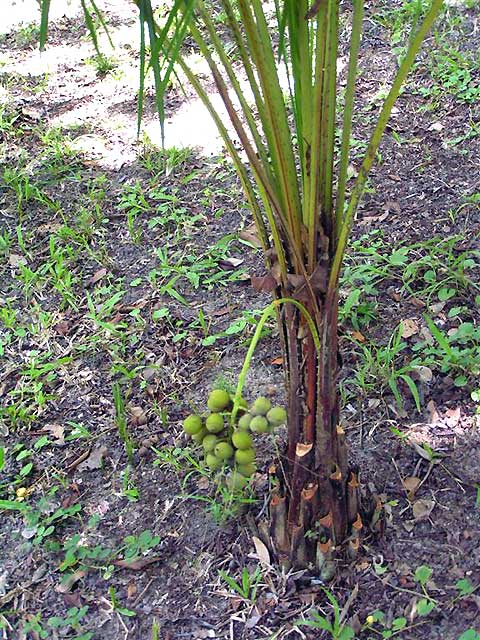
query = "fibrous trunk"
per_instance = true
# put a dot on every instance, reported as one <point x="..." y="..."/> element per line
<point x="315" y="506"/>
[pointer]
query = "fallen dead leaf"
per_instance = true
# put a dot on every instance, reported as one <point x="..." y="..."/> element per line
<point x="358" y="336"/>
<point x="57" y="431"/>
<point x="15" y="260"/>
<point x="94" y="460"/>
<point x="422" y="509"/>
<point x="266" y="283"/>
<point x="250" y="237"/>
<point x="277" y="361"/>
<point x="424" y="374"/>
<point x="138" y="564"/>
<point x="66" y="584"/>
<point x="409" y="328"/>
<point x="411" y="484"/>
<point x="98" y="275"/>
<point x="138" y="415"/>
<point x="262" y="551"/>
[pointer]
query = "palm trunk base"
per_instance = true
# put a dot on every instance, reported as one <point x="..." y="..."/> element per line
<point x="319" y="542"/>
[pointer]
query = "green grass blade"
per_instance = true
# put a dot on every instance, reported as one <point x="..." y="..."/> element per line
<point x="413" y="389"/>
<point x="12" y="505"/>
<point x="438" y="335"/>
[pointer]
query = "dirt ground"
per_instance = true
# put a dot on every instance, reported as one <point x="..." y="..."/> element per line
<point x="122" y="265"/>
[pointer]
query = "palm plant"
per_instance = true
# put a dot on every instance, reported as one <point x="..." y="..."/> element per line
<point x="295" y="180"/>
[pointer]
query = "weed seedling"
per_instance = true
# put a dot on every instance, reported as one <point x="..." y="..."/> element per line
<point x="337" y="629"/>
<point x="247" y="587"/>
<point x="121" y="420"/>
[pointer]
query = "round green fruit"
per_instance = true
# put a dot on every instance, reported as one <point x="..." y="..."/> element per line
<point x="242" y="440"/>
<point x="261" y="406"/>
<point x="224" y="450"/>
<point x="244" y="456"/>
<point x="213" y="462"/>
<point x="218" y="400"/>
<point x="192" y="424"/>
<point x="277" y="416"/>
<point x="209" y="442"/>
<point x="259" y="424"/>
<point x="214" y="423"/>
<point x="244" y="421"/>
<point x="198" y="437"/>
<point x="247" y="470"/>
<point x="236" y="482"/>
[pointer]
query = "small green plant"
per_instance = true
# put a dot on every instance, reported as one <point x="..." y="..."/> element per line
<point x="103" y="64"/>
<point x="469" y="634"/>
<point x="247" y="587"/>
<point x="27" y="34"/>
<point x="121" y="420"/>
<point x="456" y="353"/>
<point x="137" y="546"/>
<point x="123" y="611"/>
<point x="337" y="629"/>
<point x="133" y="202"/>
<point x="379" y="366"/>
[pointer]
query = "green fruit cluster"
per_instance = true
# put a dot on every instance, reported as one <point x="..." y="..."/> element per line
<point x="227" y="445"/>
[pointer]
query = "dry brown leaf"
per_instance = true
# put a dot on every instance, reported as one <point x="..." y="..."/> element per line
<point x="138" y="415"/>
<point x="262" y="551"/>
<point x="266" y="283"/>
<point x="14" y="260"/>
<point x="409" y="328"/>
<point x="422" y="509"/>
<point x="277" y="361"/>
<point x="358" y="336"/>
<point x="432" y="410"/>
<point x="66" y="585"/>
<point x="57" y="431"/>
<point x="410" y="484"/>
<point x="424" y="374"/>
<point x="98" y="275"/>
<point x="250" y="237"/>
<point x="94" y="460"/>
<point x="138" y="564"/>
<point x="131" y="590"/>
